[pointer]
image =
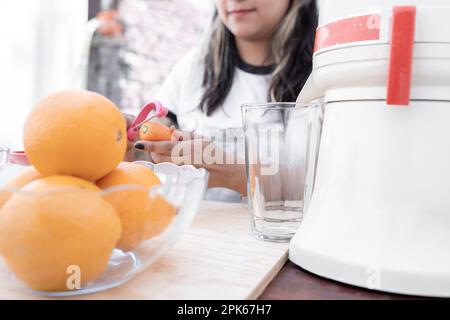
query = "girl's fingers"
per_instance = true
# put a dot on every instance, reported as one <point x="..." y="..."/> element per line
<point x="130" y="144"/>
<point x="161" y="147"/>
<point x="178" y="135"/>
<point x="130" y="119"/>
<point x="159" y="158"/>
<point x="184" y="152"/>
<point x="173" y="148"/>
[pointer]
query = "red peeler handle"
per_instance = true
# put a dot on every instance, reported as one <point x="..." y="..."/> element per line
<point x="160" y="111"/>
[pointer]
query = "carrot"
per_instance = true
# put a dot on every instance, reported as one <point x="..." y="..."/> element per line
<point x="151" y="131"/>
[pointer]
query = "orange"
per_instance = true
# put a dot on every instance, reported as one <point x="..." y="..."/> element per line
<point x="60" y="223"/>
<point x="152" y="131"/>
<point x="161" y="215"/>
<point x="134" y="205"/>
<point x="26" y="176"/>
<point x="76" y="133"/>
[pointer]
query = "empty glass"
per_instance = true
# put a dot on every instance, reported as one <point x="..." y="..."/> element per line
<point x="281" y="143"/>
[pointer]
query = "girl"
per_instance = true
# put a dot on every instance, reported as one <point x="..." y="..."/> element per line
<point x="257" y="51"/>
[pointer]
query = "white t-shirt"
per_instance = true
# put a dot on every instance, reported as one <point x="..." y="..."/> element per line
<point x="182" y="91"/>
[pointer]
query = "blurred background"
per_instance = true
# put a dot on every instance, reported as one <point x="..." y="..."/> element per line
<point x="122" y="49"/>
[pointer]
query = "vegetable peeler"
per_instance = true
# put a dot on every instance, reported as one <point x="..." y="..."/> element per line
<point x="159" y="111"/>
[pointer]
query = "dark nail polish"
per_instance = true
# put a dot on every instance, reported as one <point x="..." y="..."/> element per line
<point x="139" y="146"/>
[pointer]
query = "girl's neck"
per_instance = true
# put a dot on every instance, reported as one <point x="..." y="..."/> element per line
<point x="257" y="53"/>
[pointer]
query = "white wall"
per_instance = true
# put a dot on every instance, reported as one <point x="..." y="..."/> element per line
<point x="40" y="51"/>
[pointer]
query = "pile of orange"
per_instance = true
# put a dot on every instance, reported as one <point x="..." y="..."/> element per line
<point x="73" y="207"/>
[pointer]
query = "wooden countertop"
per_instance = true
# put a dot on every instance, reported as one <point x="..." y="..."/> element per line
<point x="218" y="258"/>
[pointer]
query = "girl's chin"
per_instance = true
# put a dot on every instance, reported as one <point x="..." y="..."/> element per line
<point x="245" y="32"/>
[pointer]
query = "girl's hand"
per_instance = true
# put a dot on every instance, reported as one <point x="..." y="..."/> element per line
<point x="132" y="154"/>
<point x="187" y="148"/>
<point x="130" y="119"/>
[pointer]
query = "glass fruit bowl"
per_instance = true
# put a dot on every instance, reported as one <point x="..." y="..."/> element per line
<point x="182" y="187"/>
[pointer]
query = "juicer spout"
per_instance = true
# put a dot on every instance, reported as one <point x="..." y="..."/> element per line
<point x="311" y="91"/>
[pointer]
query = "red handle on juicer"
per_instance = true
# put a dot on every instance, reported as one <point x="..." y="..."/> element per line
<point x="401" y="57"/>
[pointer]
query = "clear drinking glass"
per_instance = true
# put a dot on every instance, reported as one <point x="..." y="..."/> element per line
<point x="281" y="144"/>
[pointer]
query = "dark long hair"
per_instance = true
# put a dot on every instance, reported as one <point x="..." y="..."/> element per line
<point x="292" y="48"/>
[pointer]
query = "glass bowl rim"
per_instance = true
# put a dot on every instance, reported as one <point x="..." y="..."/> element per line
<point x="197" y="174"/>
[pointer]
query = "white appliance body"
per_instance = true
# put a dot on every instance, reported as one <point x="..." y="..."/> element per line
<point x="379" y="216"/>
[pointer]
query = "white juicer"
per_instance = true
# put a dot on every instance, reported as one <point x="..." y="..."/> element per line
<point x="379" y="215"/>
